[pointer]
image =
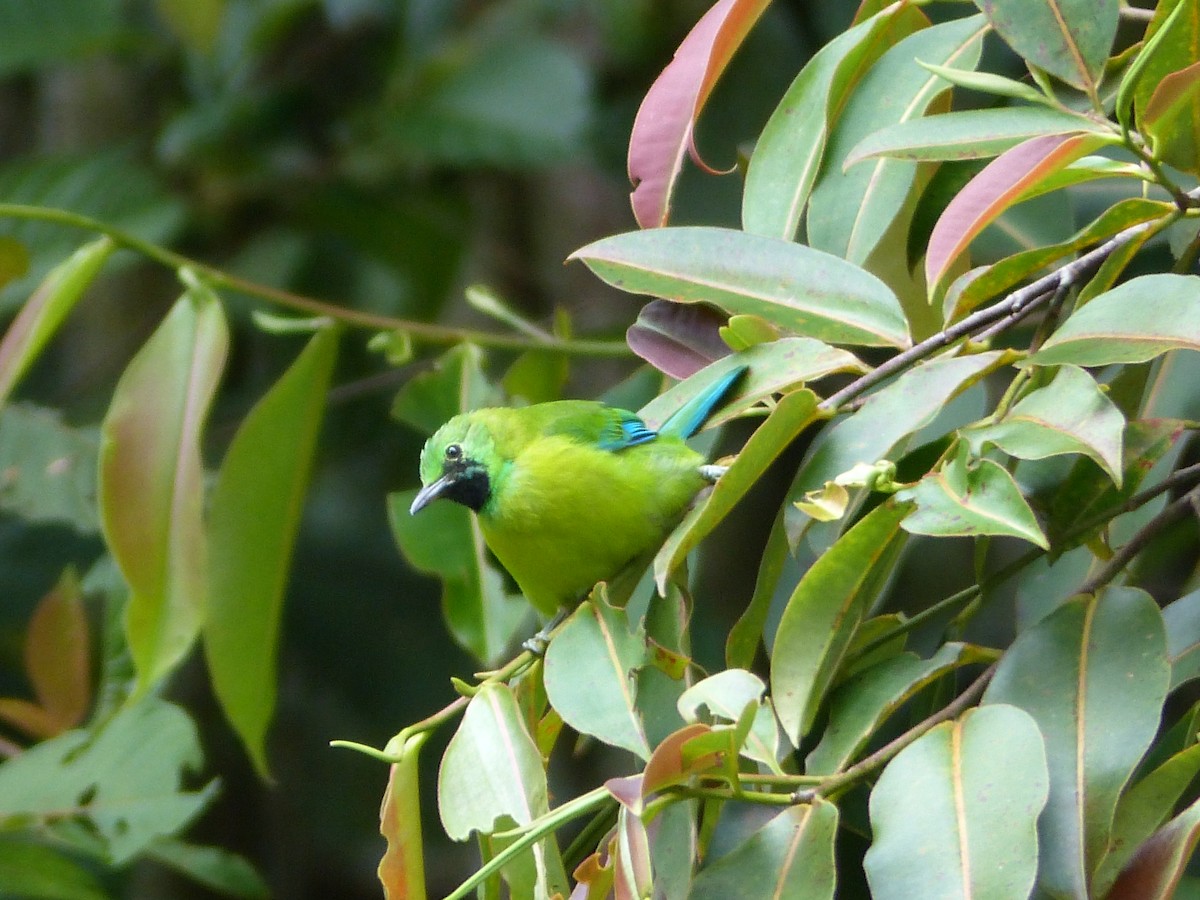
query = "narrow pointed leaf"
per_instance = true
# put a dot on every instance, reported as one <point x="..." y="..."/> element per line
<point x="45" y="311"/>
<point x="972" y="838"/>
<point x="790" y="856"/>
<point x="852" y="210"/>
<point x="967" y="134"/>
<point x="788" y="153"/>
<point x="1171" y="119"/>
<point x="1093" y="674"/>
<point x="1133" y="322"/>
<point x="794" y="287"/>
<point x="961" y="499"/>
<point x="1069" y="415"/>
<point x="1070" y="39"/>
<point x="825" y="610"/>
<point x="1004" y="182"/>
<point x="254" y="516"/>
<point x="589" y="675"/>
<point x="861" y="704"/>
<point x="151" y="481"/>
<point x="663" y="131"/>
<point x="791" y="416"/>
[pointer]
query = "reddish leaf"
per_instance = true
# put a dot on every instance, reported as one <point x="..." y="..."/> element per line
<point x="668" y="764"/>
<point x="1155" y="871"/>
<point x="1001" y="184"/>
<point x="664" y="128"/>
<point x="1171" y="118"/>
<point x="402" y="870"/>
<point x="678" y="339"/>
<point x="58" y="654"/>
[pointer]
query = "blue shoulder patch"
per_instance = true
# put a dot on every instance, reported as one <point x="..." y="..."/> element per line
<point x="626" y="431"/>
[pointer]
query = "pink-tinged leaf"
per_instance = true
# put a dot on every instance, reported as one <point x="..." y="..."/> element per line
<point x="633" y="876"/>
<point x="1172" y="119"/>
<point x="40" y="317"/>
<point x="254" y="515"/>
<point x="1155" y="870"/>
<point x="1070" y="39"/>
<point x="668" y="765"/>
<point x="663" y="131"/>
<point x="677" y="339"/>
<point x="1004" y="182"/>
<point x="58" y="654"/>
<point x="402" y="867"/>
<point x="151" y="481"/>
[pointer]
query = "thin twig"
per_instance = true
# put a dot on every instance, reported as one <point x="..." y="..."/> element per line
<point x="1175" y="512"/>
<point x="884" y="754"/>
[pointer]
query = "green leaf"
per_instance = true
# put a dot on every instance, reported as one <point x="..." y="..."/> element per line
<point x="788" y="153"/>
<point x="862" y="703"/>
<point x="1134" y="322"/>
<point x="889" y="416"/>
<point x="1069" y="415"/>
<point x="1159" y="865"/>
<point x="961" y="499"/>
<point x="1170" y="37"/>
<point x="1093" y="674"/>
<point x="254" y="516"/>
<point x="792" y="286"/>
<point x="966" y="134"/>
<point x="1182" y="619"/>
<point x="47" y="469"/>
<point x="777" y="367"/>
<point x="589" y="675"/>
<point x="852" y="210"/>
<point x="455" y="384"/>
<point x="1070" y="39"/>
<point x="483" y="616"/>
<point x="36" y="872"/>
<point x="971" y="838"/>
<point x="790" y="417"/>
<point x="215" y="868"/>
<point x="1142" y="809"/>
<point x="1171" y="117"/>
<point x="151" y="481"/>
<point x="990" y="83"/>
<point x="125" y="778"/>
<point x="824" y="612"/>
<point x="44" y="312"/>
<point x="791" y="856"/>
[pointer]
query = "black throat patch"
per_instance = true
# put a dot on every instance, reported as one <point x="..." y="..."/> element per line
<point x="469" y="483"/>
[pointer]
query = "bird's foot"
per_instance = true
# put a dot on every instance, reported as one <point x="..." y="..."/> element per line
<point x="539" y="642"/>
<point x="712" y="473"/>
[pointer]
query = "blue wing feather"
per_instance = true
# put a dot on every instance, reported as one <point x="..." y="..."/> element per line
<point x="626" y="430"/>
<point x="687" y="420"/>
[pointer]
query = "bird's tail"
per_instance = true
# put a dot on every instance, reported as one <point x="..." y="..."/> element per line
<point x="686" y="420"/>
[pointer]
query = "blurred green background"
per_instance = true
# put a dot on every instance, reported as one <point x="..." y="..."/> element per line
<point x="378" y="154"/>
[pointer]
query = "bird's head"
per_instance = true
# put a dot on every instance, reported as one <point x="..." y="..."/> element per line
<point x="454" y="465"/>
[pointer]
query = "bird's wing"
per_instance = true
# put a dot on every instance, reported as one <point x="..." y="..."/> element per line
<point x="605" y="427"/>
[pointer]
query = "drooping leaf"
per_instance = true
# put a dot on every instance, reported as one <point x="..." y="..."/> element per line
<point x="792" y="286"/>
<point x="791" y="416"/>
<point x="1004" y="182"/>
<point x="151" y="480"/>
<point x="678" y="340"/>
<point x="589" y="675"/>
<point x="254" y="516"/>
<point x="825" y="610"/>
<point x="852" y="210"/>
<point x="1155" y="871"/>
<point x="214" y="867"/>
<point x="1070" y="39"/>
<point x="970" y="839"/>
<point x="788" y="153"/>
<point x="47" y="468"/>
<point x="1093" y="674"/>
<point x="791" y="856"/>
<point x="125" y="778"/>
<point x="965" y="134"/>
<point x="1172" y="116"/>
<point x="1134" y="322"/>
<point x="663" y="130"/>
<point x="1069" y="415"/>
<point x="963" y="498"/>
<point x="861" y="704"/>
<point x="44" y="312"/>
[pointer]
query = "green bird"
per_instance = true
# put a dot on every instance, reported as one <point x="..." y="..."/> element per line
<point x="569" y="493"/>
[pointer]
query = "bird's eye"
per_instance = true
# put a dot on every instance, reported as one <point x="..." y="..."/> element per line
<point x="453" y="451"/>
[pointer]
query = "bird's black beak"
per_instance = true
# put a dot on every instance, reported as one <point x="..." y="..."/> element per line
<point x="430" y="492"/>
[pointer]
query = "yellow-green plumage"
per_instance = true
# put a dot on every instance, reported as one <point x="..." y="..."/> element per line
<point x="568" y="493"/>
